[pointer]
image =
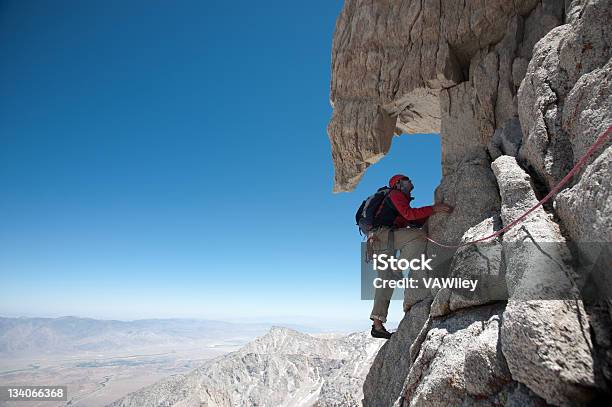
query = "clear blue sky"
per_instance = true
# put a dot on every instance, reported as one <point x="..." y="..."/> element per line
<point x="170" y="159"/>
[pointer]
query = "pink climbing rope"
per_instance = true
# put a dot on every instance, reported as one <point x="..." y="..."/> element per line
<point x="598" y="143"/>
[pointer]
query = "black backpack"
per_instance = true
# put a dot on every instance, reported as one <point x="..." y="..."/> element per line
<point x="365" y="217"/>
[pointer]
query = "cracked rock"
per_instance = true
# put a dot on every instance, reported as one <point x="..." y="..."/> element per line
<point x="545" y="330"/>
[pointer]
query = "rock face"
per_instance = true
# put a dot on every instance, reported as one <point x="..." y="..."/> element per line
<point x="555" y="359"/>
<point x="483" y="261"/>
<point x="392" y="59"/>
<point x="518" y="91"/>
<point x="284" y="367"/>
<point x="459" y="362"/>
<point x="387" y="374"/>
<point x="563" y="56"/>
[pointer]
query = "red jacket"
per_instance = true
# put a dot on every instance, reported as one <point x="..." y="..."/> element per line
<point x="407" y="214"/>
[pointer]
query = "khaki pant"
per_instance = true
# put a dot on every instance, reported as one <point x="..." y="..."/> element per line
<point x="411" y="244"/>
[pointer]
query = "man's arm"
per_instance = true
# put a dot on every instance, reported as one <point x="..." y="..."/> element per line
<point x="402" y="204"/>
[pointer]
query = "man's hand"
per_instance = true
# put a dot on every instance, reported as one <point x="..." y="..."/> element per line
<point x="442" y="207"/>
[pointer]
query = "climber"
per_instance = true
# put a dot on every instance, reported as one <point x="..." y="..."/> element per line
<point x="397" y="226"/>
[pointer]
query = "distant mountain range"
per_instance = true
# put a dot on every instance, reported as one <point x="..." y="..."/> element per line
<point x="282" y="368"/>
<point x="34" y="336"/>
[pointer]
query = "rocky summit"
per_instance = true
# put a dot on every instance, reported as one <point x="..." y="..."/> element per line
<point x="518" y="92"/>
<point x="282" y="368"/>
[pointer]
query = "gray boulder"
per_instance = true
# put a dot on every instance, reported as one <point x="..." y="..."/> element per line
<point x="481" y="262"/>
<point x="460" y="363"/>
<point x="545" y="331"/>
<point x="559" y="59"/>
<point x="585" y="208"/>
<point x="506" y="140"/>
<point x="536" y="254"/>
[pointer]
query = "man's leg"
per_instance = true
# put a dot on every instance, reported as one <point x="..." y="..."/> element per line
<point x="411" y="243"/>
<point x="382" y="295"/>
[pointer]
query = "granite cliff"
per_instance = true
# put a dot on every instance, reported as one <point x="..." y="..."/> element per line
<point x="517" y="90"/>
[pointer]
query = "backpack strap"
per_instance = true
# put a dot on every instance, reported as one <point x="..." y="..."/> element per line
<point x="391" y="241"/>
<point x="382" y="203"/>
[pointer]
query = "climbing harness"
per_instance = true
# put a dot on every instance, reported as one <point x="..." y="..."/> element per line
<point x="372" y="239"/>
<point x="598" y="143"/>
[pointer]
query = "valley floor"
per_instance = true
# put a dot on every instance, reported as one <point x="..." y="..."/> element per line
<point x="95" y="380"/>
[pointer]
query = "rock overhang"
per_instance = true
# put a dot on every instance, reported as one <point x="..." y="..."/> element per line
<point x="390" y="60"/>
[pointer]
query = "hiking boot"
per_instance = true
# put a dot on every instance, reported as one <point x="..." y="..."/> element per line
<point x="380" y="333"/>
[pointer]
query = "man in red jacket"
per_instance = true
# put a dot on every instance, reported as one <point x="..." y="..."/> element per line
<point x="398" y="227"/>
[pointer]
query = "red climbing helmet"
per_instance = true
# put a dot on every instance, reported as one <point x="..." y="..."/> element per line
<point x="395" y="179"/>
